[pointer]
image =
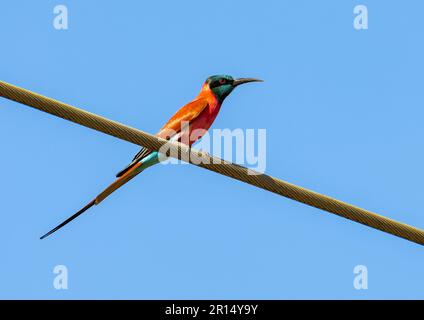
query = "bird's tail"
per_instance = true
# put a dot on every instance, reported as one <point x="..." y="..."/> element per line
<point x="135" y="170"/>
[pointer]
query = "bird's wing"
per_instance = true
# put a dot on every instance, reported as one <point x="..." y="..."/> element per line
<point x="140" y="155"/>
<point x="174" y="125"/>
<point x="186" y="114"/>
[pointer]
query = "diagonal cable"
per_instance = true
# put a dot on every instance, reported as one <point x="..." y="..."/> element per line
<point x="220" y="166"/>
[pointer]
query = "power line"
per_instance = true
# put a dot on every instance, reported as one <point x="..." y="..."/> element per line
<point x="209" y="162"/>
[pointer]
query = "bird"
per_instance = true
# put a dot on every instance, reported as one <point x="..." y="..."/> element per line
<point x="199" y="115"/>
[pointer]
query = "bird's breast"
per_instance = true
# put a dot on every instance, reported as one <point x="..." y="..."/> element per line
<point x="204" y="121"/>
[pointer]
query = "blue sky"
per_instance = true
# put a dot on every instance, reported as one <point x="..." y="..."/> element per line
<point x="343" y="111"/>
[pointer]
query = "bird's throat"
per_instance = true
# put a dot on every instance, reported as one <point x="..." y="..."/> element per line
<point x="222" y="92"/>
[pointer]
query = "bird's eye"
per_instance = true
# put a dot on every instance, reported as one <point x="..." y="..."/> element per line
<point x="222" y="81"/>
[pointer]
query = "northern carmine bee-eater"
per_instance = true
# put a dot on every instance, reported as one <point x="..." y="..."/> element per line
<point x="198" y="115"/>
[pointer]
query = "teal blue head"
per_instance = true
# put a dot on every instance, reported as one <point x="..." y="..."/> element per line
<point x="223" y="85"/>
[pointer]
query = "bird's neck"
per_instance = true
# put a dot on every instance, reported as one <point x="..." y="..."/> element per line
<point x="208" y="94"/>
<point x="217" y="95"/>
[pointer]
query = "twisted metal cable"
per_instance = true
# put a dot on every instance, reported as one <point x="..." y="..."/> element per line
<point x="204" y="160"/>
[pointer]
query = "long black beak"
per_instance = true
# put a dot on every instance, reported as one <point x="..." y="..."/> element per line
<point x="240" y="81"/>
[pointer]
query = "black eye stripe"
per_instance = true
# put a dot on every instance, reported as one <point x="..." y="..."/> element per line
<point x="214" y="84"/>
<point x="219" y="82"/>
